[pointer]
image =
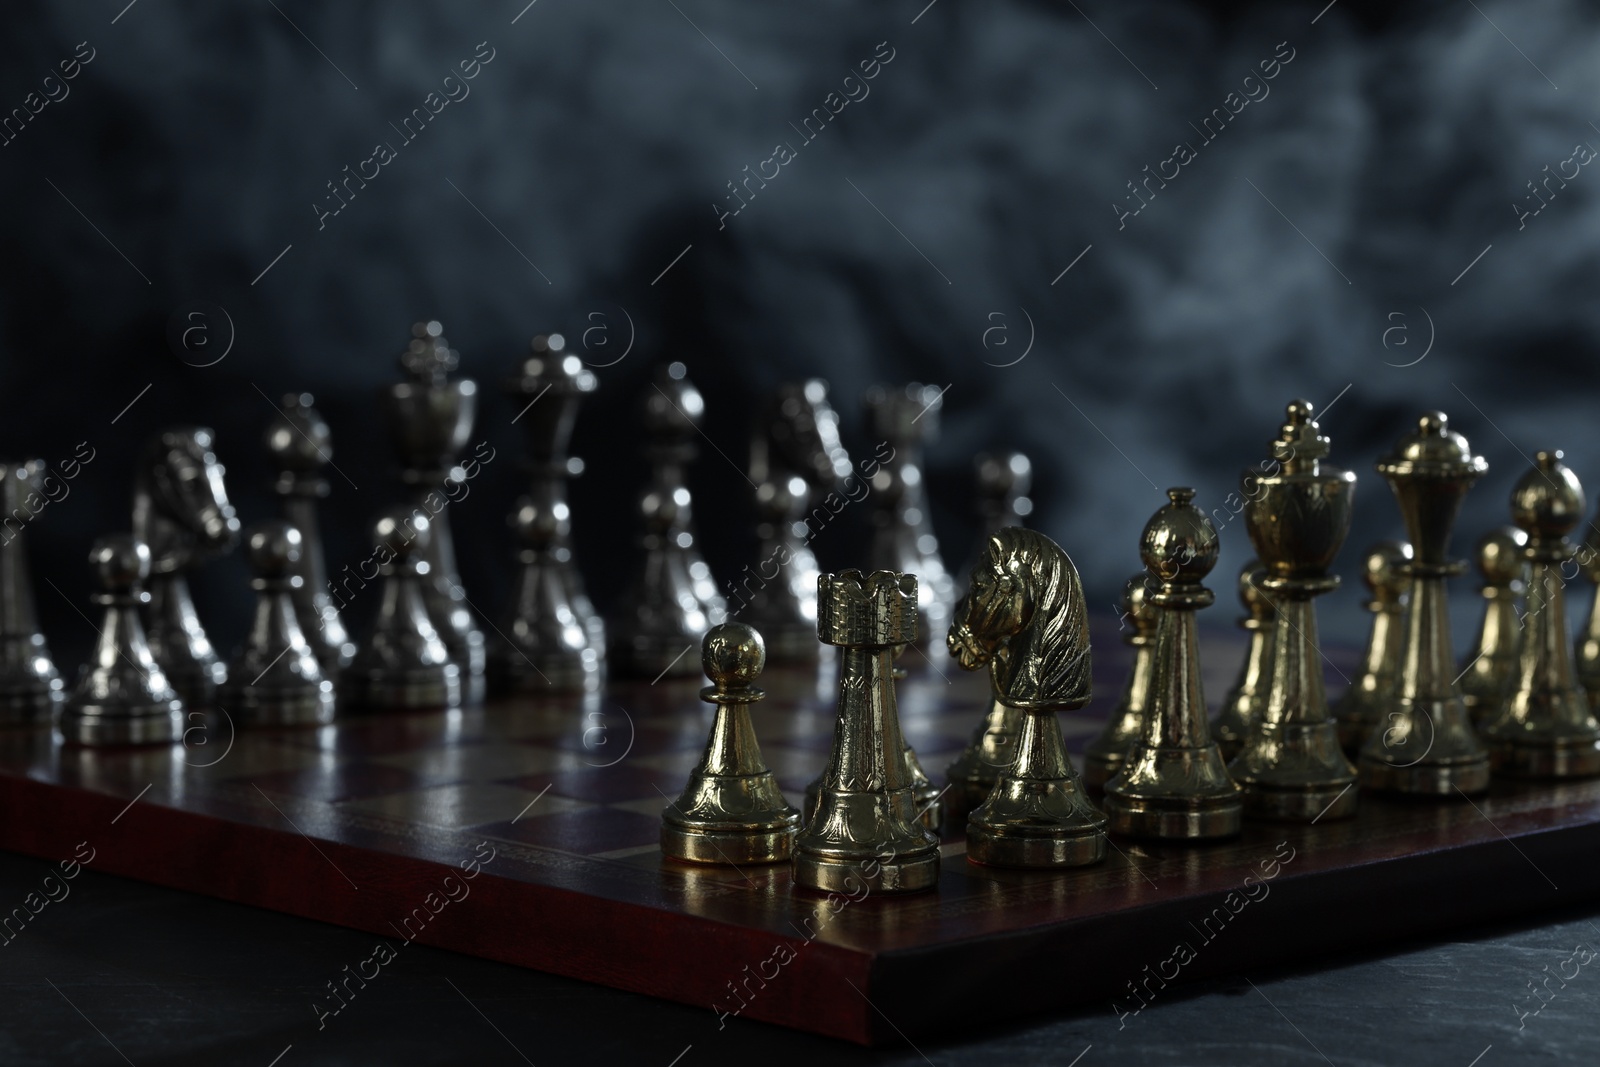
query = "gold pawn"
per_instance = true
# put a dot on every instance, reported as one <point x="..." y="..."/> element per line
<point x="1243" y="705"/>
<point x="732" y="810"/>
<point x="1103" y="757"/>
<point x="1358" y="709"/>
<point x="1490" y="668"/>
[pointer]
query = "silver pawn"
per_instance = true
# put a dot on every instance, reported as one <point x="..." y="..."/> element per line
<point x="122" y="696"/>
<point x="30" y="686"/>
<point x="547" y="646"/>
<point x="274" y="679"/>
<point x="404" y="664"/>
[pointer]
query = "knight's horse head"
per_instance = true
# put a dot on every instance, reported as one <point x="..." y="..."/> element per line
<point x="797" y="433"/>
<point x="180" y="503"/>
<point x="1023" y="615"/>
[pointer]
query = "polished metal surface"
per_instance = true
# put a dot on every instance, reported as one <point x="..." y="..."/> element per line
<point x="1543" y="727"/>
<point x="182" y="514"/>
<point x="673" y="599"/>
<point x="800" y="470"/>
<point x="1245" y="703"/>
<point x="1175" y="783"/>
<point x="1422" y="742"/>
<point x="928" y="797"/>
<point x="731" y="811"/>
<point x="1588" y="642"/>
<point x="1490" y="665"/>
<point x="403" y="663"/>
<point x="905" y="419"/>
<point x="1359" y="709"/>
<point x="865" y="836"/>
<point x="275" y="678"/>
<point x="30" y="686"/>
<point x="1104" y="756"/>
<point x="430" y="419"/>
<point x="121" y="696"/>
<point x="544" y="646"/>
<point x="547" y="389"/>
<point x="1292" y="766"/>
<point x="1024" y="618"/>
<point x="301" y="446"/>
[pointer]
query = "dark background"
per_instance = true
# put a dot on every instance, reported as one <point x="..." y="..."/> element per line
<point x="997" y="141"/>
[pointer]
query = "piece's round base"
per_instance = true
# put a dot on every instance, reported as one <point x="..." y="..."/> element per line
<point x="727" y="847"/>
<point x="1098" y="770"/>
<point x="1203" y="819"/>
<point x="903" y="873"/>
<point x="1309" y="804"/>
<point x="1076" y="848"/>
<point x="1425" y="779"/>
<point x="1576" y="759"/>
<point x="435" y="687"/>
<point x="312" y="708"/>
<point x="31" y="704"/>
<point x="93" y="726"/>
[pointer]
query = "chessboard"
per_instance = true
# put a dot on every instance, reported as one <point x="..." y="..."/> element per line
<point x="526" y="832"/>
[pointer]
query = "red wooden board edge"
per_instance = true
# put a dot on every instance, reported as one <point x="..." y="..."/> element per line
<point x="1119" y="960"/>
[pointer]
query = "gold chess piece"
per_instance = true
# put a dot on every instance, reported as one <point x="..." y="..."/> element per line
<point x="732" y="810"/>
<point x="1291" y="766"/>
<point x="1023" y="617"/>
<point x="1588" y="643"/>
<point x="1359" y="708"/>
<point x="1103" y="757"/>
<point x="929" y="797"/>
<point x="1247" y="700"/>
<point x="1422" y="742"/>
<point x="1543" y="727"/>
<point x="1174" y="783"/>
<point x="1491" y="666"/>
<point x="865" y="831"/>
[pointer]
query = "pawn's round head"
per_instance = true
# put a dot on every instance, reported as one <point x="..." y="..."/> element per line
<point x="733" y="654"/>
<point x="1179" y="544"/>
<point x="120" y="562"/>
<point x="539" y="525"/>
<point x="1135" y="604"/>
<point x="1548" y="500"/>
<point x="1500" y="558"/>
<point x="404" y="533"/>
<point x="273" y="548"/>
<point x="1251" y="595"/>
<point x="1384" y="570"/>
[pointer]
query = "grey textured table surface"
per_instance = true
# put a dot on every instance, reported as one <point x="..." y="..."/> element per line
<point x="121" y="972"/>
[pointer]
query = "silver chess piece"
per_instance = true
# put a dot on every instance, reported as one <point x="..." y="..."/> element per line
<point x="547" y="389"/>
<point x="906" y="420"/>
<point x="275" y="679"/>
<point x="30" y="686"/>
<point x="546" y="648"/>
<point x="301" y="446"/>
<point x="799" y="468"/>
<point x="1003" y="481"/>
<point x="674" y="599"/>
<point x="182" y="514"/>
<point x="122" y="696"/>
<point x="431" y="418"/>
<point x="404" y="664"/>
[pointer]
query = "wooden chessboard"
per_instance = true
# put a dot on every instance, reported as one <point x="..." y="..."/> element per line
<point x="552" y="809"/>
